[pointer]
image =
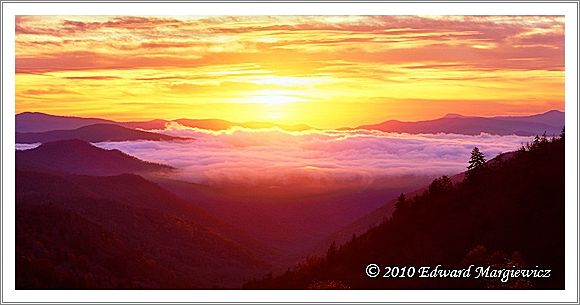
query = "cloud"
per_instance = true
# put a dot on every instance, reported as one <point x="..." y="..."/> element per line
<point x="46" y="91"/>
<point x="96" y="77"/>
<point x="23" y="146"/>
<point x="475" y="40"/>
<point x="318" y="158"/>
<point x="201" y="60"/>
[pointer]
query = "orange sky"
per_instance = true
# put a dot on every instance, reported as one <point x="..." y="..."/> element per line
<point x="325" y="71"/>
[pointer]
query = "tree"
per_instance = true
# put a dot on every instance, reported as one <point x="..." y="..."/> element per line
<point x="535" y="142"/>
<point x="477" y="159"/>
<point x="539" y="141"/>
<point x="401" y="204"/>
<point x="477" y="163"/>
<point x="544" y="138"/>
<point x="440" y="186"/>
<point x="499" y="160"/>
<point x="332" y="249"/>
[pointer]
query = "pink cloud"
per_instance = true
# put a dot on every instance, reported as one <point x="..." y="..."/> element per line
<point x="326" y="158"/>
<point x="381" y="39"/>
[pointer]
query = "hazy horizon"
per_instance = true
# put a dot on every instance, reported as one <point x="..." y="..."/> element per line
<point x="297" y="123"/>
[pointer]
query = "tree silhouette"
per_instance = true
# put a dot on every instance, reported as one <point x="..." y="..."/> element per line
<point x="477" y="159"/>
<point x="332" y="249"/>
<point x="477" y="163"/>
<point x="535" y="142"/>
<point x="544" y="138"/>
<point x="538" y="142"/>
<point x="440" y="185"/>
<point x="401" y="203"/>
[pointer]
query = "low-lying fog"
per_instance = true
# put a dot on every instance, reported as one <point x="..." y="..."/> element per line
<point x="276" y="158"/>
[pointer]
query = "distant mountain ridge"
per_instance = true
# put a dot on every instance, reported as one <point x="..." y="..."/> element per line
<point x="41" y="122"/>
<point x="216" y="124"/>
<point x="550" y="122"/>
<point x="80" y="157"/>
<point x="92" y="133"/>
<point x="552" y="117"/>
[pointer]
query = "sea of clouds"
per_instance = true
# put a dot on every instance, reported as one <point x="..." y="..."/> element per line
<point x="276" y="157"/>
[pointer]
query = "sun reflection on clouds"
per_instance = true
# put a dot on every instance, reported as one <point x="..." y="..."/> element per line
<point x="326" y="71"/>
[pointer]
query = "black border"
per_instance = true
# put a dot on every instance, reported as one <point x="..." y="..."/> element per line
<point x="267" y="1"/>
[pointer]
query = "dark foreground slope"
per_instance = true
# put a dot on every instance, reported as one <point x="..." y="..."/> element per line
<point x="509" y="216"/>
<point x="115" y="229"/>
<point x="121" y="232"/>
<point x="292" y="222"/>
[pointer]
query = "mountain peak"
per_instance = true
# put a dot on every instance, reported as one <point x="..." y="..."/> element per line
<point x="70" y="147"/>
<point x="80" y="157"/>
<point x="68" y="143"/>
<point x="99" y="132"/>
<point x="453" y="116"/>
<point x="553" y="111"/>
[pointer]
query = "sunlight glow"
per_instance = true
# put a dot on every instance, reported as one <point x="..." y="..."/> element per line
<point x="287" y="81"/>
<point x="323" y="71"/>
<point x="274" y="97"/>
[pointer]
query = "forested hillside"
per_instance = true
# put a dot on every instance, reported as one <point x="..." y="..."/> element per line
<point x="504" y="214"/>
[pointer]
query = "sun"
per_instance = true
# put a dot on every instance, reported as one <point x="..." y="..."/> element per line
<point x="272" y="105"/>
<point x="273" y="97"/>
<point x="275" y="100"/>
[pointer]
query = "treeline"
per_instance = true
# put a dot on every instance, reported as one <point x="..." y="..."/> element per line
<point x="506" y="213"/>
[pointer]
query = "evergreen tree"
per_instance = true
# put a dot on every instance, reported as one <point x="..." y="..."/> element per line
<point x="440" y="185"/>
<point x="332" y="249"/>
<point x="544" y="138"/>
<point x="535" y="143"/>
<point x="477" y="163"/>
<point x="400" y="204"/>
<point x="477" y="159"/>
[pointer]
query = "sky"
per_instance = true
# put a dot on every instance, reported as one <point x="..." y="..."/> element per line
<point x="324" y="71"/>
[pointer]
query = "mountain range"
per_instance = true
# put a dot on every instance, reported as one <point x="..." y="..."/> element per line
<point x="80" y="157"/>
<point x="93" y="133"/>
<point x="86" y="220"/>
<point x="282" y="233"/>
<point x="550" y="123"/>
<point x="88" y="217"/>
<point x="37" y="122"/>
<point x="31" y="126"/>
<point x="41" y="122"/>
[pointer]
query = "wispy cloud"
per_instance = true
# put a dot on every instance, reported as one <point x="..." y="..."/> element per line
<point x="201" y="60"/>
